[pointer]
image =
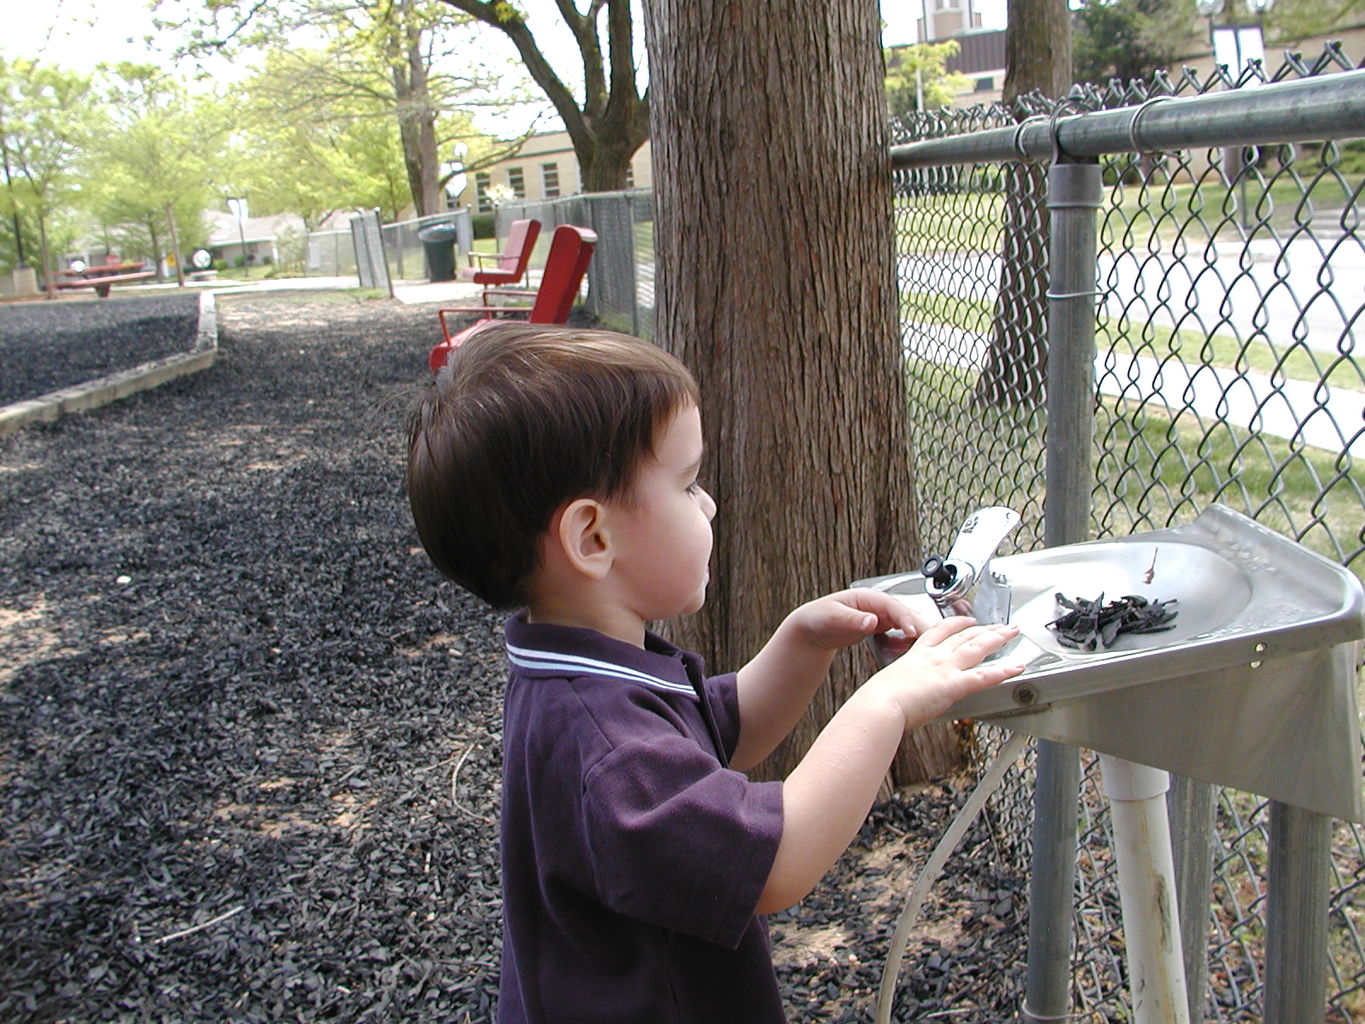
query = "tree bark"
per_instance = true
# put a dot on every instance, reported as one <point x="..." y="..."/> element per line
<point x="1037" y="59"/>
<point x="775" y="285"/>
<point x="416" y="114"/>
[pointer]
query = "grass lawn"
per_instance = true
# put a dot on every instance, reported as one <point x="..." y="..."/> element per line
<point x="1277" y="199"/>
<point x="1151" y="467"/>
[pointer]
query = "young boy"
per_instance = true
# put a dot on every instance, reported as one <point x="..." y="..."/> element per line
<point x="555" y="471"/>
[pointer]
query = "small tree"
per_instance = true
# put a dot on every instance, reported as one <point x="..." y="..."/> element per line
<point x="150" y="160"/>
<point x="917" y="77"/>
<point x="45" y="119"/>
<point x="1127" y="39"/>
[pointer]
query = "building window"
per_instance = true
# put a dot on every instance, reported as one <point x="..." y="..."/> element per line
<point x="549" y="178"/>
<point x="482" y="180"/>
<point x="630" y="175"/>
<point x="516" y="180"/>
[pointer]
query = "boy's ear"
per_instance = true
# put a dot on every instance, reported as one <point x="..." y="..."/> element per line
<point x="581" y="532"/>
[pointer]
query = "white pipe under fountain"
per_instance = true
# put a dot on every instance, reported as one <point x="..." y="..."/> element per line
<point x="1147" y="890"/>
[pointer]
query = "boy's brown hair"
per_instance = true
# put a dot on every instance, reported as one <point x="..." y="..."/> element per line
<point x="523" y="419"/>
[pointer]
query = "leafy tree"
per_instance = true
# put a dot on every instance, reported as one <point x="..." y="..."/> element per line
<point x="151" y="163"/>
<point x="917" y="77"/>
<point x="45" y="119"/>
<point x="612" y="120"/>
<point x="381" y="58"/>
<point x="1291" y="21"/>
<point x="1127" y="39"/>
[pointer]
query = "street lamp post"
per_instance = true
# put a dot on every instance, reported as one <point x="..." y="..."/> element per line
<point x="1237" y="46"/>
<point x="237" y="207"/>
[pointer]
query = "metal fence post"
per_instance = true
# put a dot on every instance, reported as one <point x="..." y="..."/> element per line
<point x="1296" y="915"/>
<point x="1073" y="197"/>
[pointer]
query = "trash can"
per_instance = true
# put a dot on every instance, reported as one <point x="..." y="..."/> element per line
<point x="438" y="241"/>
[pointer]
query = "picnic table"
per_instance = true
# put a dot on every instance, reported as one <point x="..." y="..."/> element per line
<point x="103" y="276"/>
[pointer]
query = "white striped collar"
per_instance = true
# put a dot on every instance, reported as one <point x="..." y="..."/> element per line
<point x="560" y="664"/>
<point x="565" y="651"/>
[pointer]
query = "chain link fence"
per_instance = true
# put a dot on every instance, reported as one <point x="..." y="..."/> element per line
<point x="1230" y="298"/>
<point x="620" y="283"/>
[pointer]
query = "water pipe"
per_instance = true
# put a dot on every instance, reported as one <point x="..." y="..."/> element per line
<point x="989" y="783"/>
<point x="1147" y="890"/>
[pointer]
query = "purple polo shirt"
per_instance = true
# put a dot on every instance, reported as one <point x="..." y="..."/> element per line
<point x="632" y="857"/>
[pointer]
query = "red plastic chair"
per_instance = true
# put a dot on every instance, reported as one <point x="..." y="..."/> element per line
<point x="570" y="252"/>
<point x="510" y="263"/>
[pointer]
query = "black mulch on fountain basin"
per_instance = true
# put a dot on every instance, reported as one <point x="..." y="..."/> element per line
<point x="46" y="346"/>
<point x="249" y="739"/>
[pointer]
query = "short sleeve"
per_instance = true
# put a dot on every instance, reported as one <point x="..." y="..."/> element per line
<point x="678" y="841"/>
<point x="722" y="694"/>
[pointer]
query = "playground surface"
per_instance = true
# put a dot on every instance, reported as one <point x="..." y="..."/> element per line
<point x="249" y="738"/>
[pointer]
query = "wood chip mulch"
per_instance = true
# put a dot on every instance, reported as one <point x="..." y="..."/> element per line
<point x="249" y="740"/>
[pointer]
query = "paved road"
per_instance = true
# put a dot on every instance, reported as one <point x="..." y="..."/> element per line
<point x="1329" y="418"/>
<point x="1309" y="292"/>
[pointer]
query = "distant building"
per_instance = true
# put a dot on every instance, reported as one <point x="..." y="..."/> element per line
<point x="946" y="19"/>
<point x="254" y="243"/>
<point x="545" y="167"/>
<point x="982" y="60"/>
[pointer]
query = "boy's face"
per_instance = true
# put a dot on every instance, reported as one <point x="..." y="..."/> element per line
<point x="663" y="535"/>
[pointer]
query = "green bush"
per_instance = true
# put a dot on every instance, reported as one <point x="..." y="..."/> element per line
<point x="484" y="224"/>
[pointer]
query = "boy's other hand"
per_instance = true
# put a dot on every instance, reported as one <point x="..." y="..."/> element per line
<point x="945" y="664"/>
<point x="840" y="620"/>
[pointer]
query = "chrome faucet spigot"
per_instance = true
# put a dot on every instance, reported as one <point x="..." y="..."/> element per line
<point x="962" y="583"/>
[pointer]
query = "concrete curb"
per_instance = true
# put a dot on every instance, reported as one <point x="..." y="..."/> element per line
<point x="103" y="390"/>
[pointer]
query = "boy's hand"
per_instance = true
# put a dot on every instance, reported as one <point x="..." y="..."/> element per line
<point x="946" y="663"/>
<point x="840" y="620"/>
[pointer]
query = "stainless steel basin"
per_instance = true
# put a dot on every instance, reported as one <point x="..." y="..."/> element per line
<point x="1209" y="590"/>
<point x="1254" y="687"/>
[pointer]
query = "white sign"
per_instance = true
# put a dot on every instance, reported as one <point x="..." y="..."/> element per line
<point x="1237" y="47"/>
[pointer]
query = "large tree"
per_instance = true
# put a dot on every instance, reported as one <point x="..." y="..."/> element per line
<point x="775" y="285"/>
<point x="1037" y="63"/>
<point x="611" y="121"/>
<point x="1127" y="39"/>
<point x="410" y="61"/>
<point x="149" y="164"/>
<point x="46" y="117"/>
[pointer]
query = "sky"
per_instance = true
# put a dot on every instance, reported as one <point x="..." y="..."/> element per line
<point x="78" y="34"/>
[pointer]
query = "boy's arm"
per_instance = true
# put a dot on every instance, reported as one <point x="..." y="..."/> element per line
<point x="827" y="796"/>
<point x="775" y="688"/>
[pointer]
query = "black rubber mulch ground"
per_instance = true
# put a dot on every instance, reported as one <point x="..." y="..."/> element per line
<point x="45" y="346"/>
<point x="249" y="740"/>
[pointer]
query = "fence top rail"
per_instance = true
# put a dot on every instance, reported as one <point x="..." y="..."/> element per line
<point x="1310" y="110"/>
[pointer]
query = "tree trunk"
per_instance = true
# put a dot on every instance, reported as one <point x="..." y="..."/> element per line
<point x="614" y="119"/>
<point x="416" y="118"/>
<point x="1037" y="59"/>
<point x="175" y="246"/>
<point x="775" y="286"/>
<point x="45" y="254"/>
